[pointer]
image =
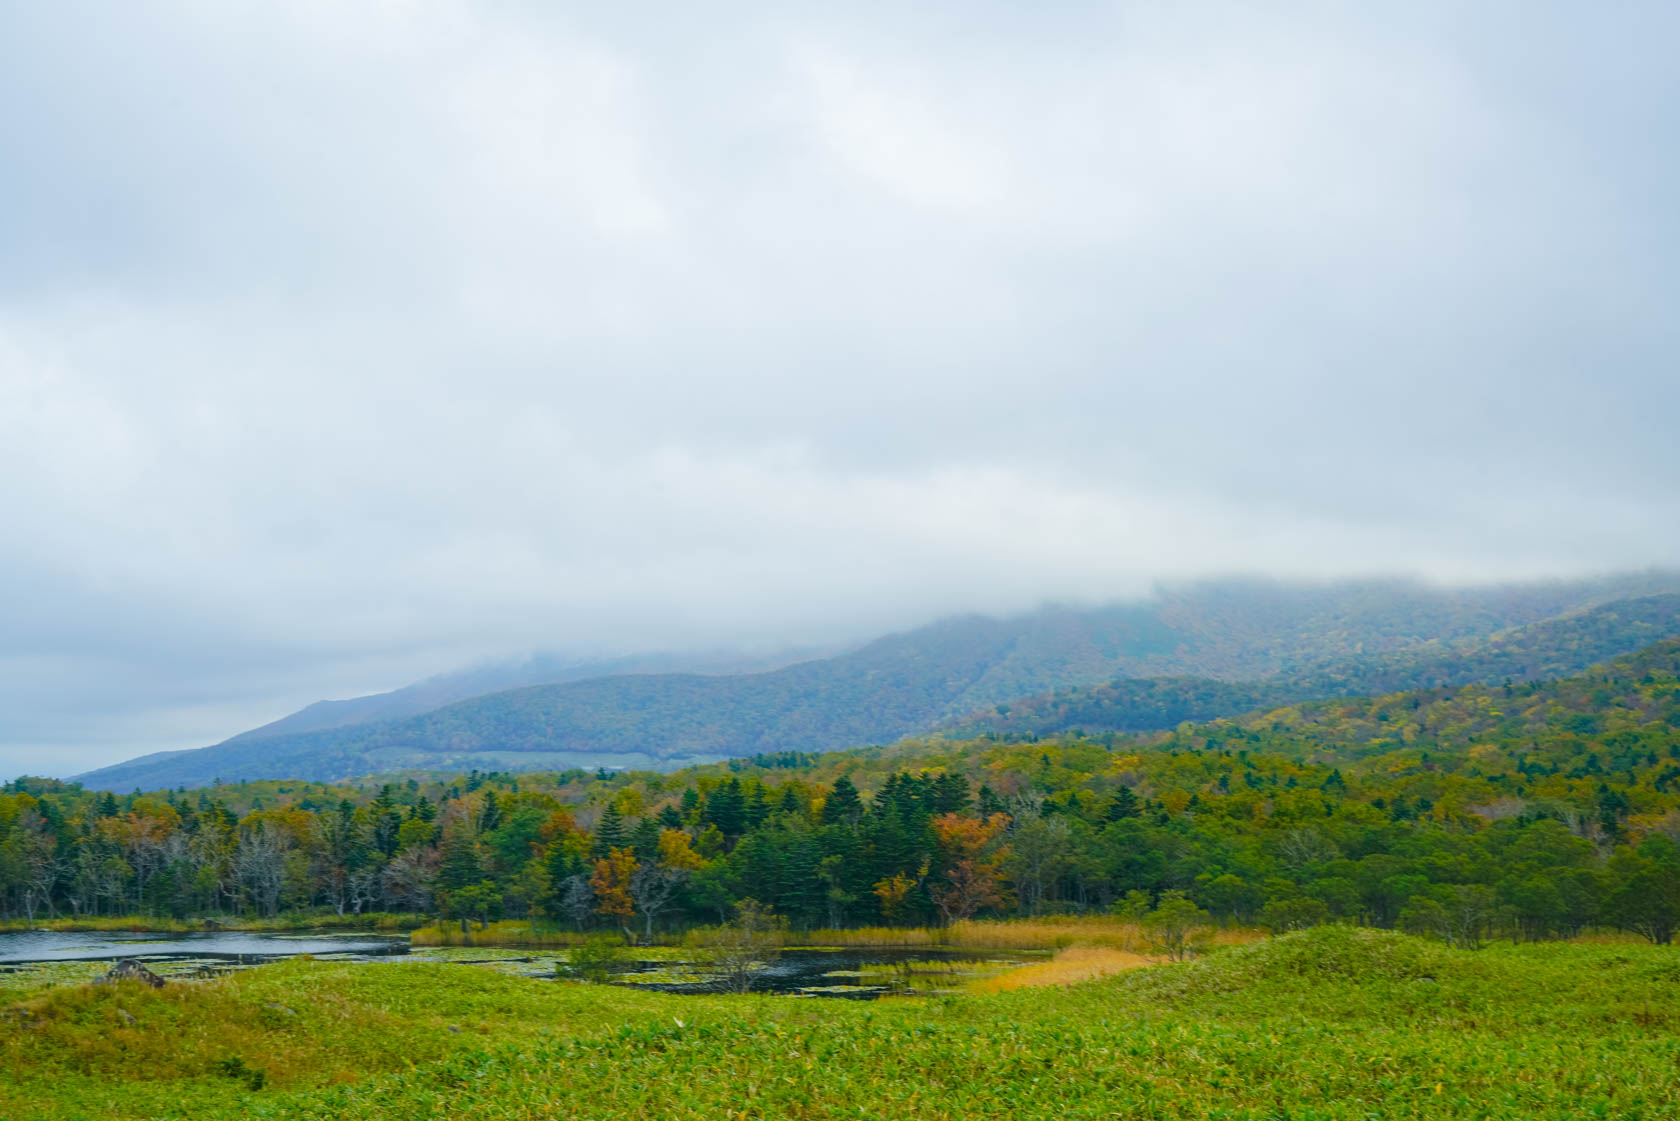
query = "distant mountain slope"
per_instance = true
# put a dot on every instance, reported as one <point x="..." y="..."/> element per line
<point x="901" y="684"/>
<point x="1548" y="649"/>
<point x="496" y="677"/>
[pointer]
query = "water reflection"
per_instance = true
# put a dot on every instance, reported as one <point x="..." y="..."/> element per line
<point x="851" y="973"/>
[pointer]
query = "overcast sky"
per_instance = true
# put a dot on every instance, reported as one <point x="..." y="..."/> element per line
<point x="342" y="343"/>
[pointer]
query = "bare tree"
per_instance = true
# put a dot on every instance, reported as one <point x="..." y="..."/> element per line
<point x="1303" y="846"/>
<point x="407" y="879"/>
<point x="260" y="866"/>
<point x="42" y="865"/>
<point x="1470" y="914"/>
<point x="1038" y="855"/>
<point x="740" y="950"/>
<point x="651" y="888"/>
<point x="577" y="900"/>
<point x="362" y="888"/>
<point x="212" y="848"/>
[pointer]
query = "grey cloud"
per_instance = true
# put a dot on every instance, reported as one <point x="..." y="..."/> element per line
<point x="341" y="343"/>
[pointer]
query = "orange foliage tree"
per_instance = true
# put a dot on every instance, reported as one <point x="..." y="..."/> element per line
<point x="611" y="882"/>
<point x="973" y="874"/>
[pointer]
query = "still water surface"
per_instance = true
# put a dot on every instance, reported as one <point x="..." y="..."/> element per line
<point x="853" y="973"/>
<point x="45" y="945"/>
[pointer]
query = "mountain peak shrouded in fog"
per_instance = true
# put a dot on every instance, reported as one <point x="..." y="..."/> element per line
<point x="1196" y="652"/>
<point x="346" y="345"/>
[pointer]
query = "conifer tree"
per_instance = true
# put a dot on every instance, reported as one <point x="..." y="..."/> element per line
<point x="610" y="832"/>
<point x="843" y="806"/>
<point x="644" y="840"/>
<point x="1124" y="805"/>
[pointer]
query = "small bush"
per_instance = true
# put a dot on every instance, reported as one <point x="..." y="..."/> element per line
<point x="237" y="1068"/>
<point x="596" y="960"/>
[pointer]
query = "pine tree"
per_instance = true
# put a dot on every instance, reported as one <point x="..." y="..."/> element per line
<point x="1124" y="805"/>
<point x="843" y="806"/>
<point x="460" y="865"/>
<point x="610" y="832"/>
<point x="564" y="862"/>
<point x="950" y="794"/>
<point x="644" y="840"/>
<point x="726" y="808"/>
<point x="756" y="808"/>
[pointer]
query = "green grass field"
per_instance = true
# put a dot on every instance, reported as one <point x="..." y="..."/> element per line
<point x="1333" y="1023"/>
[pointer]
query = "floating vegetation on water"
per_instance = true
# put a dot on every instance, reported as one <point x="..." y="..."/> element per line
<point x="33" y="976"/>
<point x="666" y="975"/>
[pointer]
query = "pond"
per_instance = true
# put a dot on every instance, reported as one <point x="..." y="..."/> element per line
<point x="30" y="959"/>
<point x="854" y="973"/>
<point x="46" y="945"/>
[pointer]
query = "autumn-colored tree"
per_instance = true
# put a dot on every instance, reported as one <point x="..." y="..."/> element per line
<point x="655" y="881"/>
<point x="974" y="874"/>
<point x="893" y="892"/>
<point x="675" y="851"/>
<point x="611" y="882"/>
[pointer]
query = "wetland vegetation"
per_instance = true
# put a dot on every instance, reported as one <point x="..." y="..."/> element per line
<point x="1440" y="903"/>
<point x="1335" y="1022"/>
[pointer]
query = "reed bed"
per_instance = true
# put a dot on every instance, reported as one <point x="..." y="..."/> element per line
<point x="521" y="933"/>
<point x="1048" y="934"/>
<point x="1069" y="966"/>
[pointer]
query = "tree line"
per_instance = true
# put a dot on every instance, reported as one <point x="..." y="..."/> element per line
<point x="1531" y="810"/>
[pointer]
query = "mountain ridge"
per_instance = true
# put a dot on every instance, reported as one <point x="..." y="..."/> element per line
<point x="901" y="684"/>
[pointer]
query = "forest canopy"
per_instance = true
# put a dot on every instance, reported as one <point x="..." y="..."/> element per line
<point x="1533" y="809"/>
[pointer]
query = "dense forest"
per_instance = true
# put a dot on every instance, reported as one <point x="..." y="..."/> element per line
<point x="1318" y="640"/>
<point x="1528" y="808"/>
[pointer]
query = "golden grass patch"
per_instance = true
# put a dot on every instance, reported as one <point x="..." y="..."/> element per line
<point x="1069" y="966"/>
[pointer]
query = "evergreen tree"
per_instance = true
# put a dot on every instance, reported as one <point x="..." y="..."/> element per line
<point x="726" y="808"/>
<point x="564" y="862"/>
<point x="644" y="840"/>
<point x="756" y="808"/>
<point x="950" y="794"/>
<point x="460" y="865"/>
<point x="1123" y="806"/>
<point x="610" y="832"/>
<point x="843" y="806"/>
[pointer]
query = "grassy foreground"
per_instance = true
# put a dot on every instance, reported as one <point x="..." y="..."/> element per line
<point x="1331" y="1023"/>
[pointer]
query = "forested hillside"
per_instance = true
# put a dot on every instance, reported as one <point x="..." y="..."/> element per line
<point x="477" y="681"/>
<point x="910" y="683"/>
<point x="1551" y="648"/>
<point x="1531" y="809"/>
